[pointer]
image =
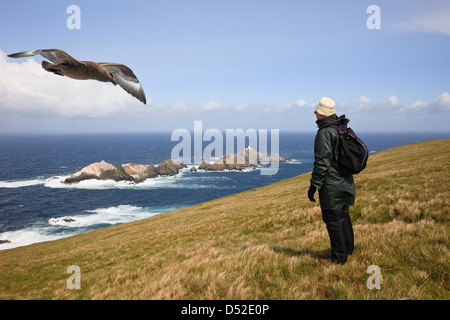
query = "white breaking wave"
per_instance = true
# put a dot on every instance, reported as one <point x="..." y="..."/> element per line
<point x="111" y="215"/>
<point x="21" y="183"/>
<point x="91" y="184"/>
<point x="66" y="226"/>
<point x="58" y="182"/>
<point x="294" y="161"/>
<point x="28" y="236"/>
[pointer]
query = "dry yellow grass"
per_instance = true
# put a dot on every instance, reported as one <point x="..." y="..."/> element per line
<point x="262" y="244"/>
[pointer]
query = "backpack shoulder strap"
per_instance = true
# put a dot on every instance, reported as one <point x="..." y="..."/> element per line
<point x="341" y="128"/>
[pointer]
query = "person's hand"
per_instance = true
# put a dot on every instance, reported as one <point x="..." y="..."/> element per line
<point x="311" y="191"/>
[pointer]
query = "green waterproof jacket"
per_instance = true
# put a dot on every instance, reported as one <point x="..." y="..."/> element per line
<point x="335" y="190"/>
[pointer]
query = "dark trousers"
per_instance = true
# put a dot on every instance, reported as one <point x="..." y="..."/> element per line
<point x="340" y="230"/>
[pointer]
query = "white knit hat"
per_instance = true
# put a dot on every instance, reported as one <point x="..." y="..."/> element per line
<point x="325" y="107"/>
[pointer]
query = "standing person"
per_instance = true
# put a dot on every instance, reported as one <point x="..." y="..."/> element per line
<point x="336" y="191"/>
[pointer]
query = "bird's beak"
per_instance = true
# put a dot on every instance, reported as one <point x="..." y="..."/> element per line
<point x="113" y="79"/>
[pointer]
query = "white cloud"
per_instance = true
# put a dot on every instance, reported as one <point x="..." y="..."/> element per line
<point x="301" y="103"/>
<point x="165" y="109"/>
<point x="443" y="100"/>
<point x="284" y="107"/>
<point x="213" y="106"/>
<point x="392" y="104"/>
<point x="436" y="21"/>
<point x="244" y="107"/>
<point x="393" y="100"/>
<point x="418" y="105"/>
<point x="425" y="16"/>
<point x="440" y="104"/>
<point x="363" y="103"/>
<point x="255" y="107"/>
<point x="363" y="100"/>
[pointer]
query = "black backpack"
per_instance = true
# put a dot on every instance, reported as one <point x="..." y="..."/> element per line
<point x="352" y="153"/>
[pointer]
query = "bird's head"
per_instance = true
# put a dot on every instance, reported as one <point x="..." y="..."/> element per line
<point x="113" y="78"/>
<point x="107" y="75"/>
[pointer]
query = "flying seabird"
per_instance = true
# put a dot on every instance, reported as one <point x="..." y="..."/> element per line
<point x="63" y="64"/>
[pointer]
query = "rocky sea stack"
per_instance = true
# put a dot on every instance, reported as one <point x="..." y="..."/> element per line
<point x="170" y="167"/>
<point x="238" y="161"/>
<point x="127" y="172"/>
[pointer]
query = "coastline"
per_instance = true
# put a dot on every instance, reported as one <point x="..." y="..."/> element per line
<point x="259" y="244"/>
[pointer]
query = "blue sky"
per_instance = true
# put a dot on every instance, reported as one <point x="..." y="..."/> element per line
<point x="231" y="64"/>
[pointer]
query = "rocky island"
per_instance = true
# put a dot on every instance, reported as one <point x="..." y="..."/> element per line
<point x="139" y="172"/>
<point x="127" y="172"/>
<point x="238" y="161"/>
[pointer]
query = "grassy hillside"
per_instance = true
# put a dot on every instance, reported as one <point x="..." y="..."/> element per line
<point x="262" y="244"/>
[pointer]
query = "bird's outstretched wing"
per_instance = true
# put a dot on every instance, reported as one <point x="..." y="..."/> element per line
<point x="126" y="79"/>
<point x="54" y="55"/>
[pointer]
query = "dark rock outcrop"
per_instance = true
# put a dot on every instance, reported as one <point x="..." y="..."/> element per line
<point x="238" y="161"/>
<point x="220" y="166"/>
<point x="170" y="167"/>
<point x="4" y="241"/>
<point x="204" y="165"/>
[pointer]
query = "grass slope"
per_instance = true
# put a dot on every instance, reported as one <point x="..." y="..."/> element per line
<point x="262" y="244"/>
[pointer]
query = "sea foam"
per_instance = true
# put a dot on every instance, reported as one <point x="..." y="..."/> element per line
<point x="65" y="226"/>
<point x="111" y="216"/>
<point x="21" y="183"/>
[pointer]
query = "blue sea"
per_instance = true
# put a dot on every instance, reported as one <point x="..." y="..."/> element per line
<point x="34" y="202"/>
